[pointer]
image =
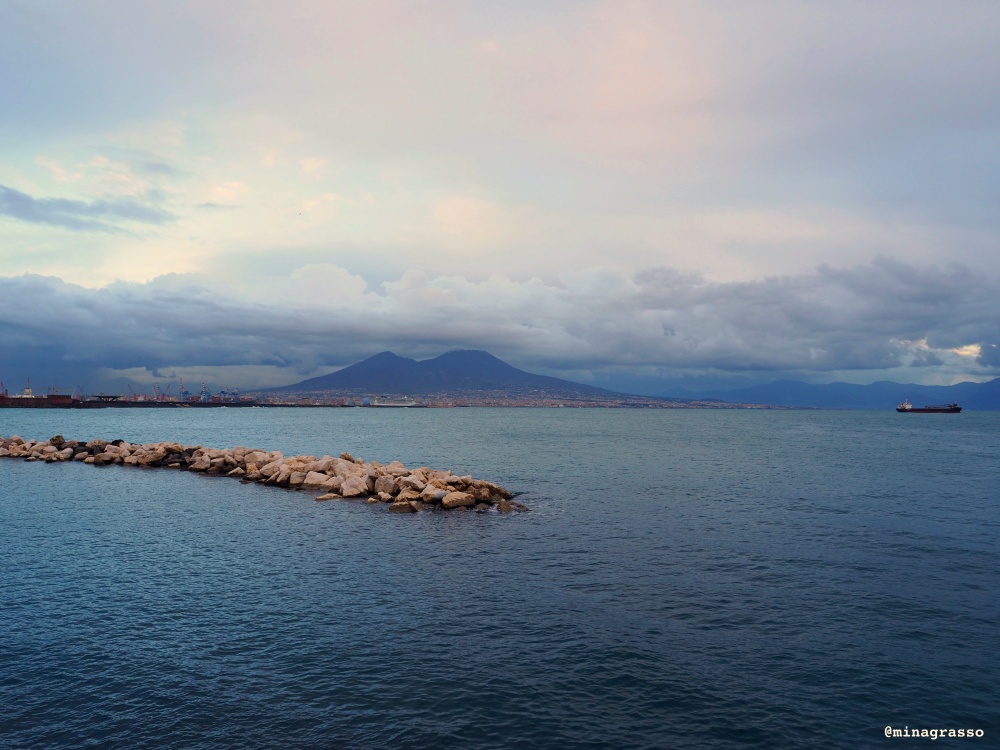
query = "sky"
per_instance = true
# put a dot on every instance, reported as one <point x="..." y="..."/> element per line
<point x="630" y="194"/>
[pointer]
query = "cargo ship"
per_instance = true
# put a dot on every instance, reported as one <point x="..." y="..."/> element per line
<point x="28" y="400"/>
<point x="906" y="406"/>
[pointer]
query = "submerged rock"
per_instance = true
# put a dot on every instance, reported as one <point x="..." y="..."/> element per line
<point x="403" y="507"/>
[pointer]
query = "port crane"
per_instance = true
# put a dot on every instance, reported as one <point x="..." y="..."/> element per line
<point x="158" y="395"/>
<point x="140" y="396"/>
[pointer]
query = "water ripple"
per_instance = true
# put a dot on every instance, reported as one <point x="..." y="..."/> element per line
<point x="705" y="580"/>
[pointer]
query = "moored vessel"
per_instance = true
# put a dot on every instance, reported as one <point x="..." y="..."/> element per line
<point x="907" y="407"/>
<point x="29" y="400"/>
<point x="387" y="402"/>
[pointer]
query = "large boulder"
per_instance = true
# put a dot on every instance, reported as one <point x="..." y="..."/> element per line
<point x="411" y="482"/>
<point x="433" y="495"/>
<point x="354" y="486"/>
<point x="343" y="469"/>
<point x="385" y="484"/>
<point x="270" y="469"/>
<point x="150" y="456"/>
<point x="201" y="463"/>
<point x="257" y="457"/>
<point x="396" y="469"/>
<point x="320" y="465"/>
<point x="408" y="495"/>
<point x="457" y="500"/>
<point x="333" y="484"/>
<point x="315" y="478"/>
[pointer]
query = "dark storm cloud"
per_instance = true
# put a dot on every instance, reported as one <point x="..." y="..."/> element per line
<point x="62" y="329"/>
<point x="93" y="216"/>
<point x="836" y="319"/>
<point x="873" y="317"/>
<point x="990" y="355"/>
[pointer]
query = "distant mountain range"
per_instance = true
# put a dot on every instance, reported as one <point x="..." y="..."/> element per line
<point x="471" y="374"/>
<point x="880" y="395"/>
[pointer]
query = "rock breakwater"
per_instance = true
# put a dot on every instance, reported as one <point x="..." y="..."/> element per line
<point x="403" y="490"/>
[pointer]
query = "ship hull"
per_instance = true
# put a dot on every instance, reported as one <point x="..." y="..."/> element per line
<point x="947" y="410"/>
<point x="36" y="402"/>
<point x="41" y="402"/>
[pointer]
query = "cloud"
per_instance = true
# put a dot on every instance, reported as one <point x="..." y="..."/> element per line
<point x="59" y="173"/>
<point x="729" y="139"/>
<point x="596" y="187"/>
<point x="226" y="192"/>
<point x="155" y="167"/>
<point x="93" y="216"/>
<point x="874" y="317"/>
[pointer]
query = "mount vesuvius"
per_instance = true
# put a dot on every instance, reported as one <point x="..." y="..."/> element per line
<point x="464" y="371"/>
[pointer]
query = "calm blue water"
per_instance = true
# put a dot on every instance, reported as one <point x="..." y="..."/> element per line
<point x="686" y="579"/>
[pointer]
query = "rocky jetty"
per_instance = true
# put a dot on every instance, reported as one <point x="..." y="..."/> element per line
<point x="403" y="490"/>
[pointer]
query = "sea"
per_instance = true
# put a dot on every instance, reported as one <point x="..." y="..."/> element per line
<point x="684" y="579"/>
